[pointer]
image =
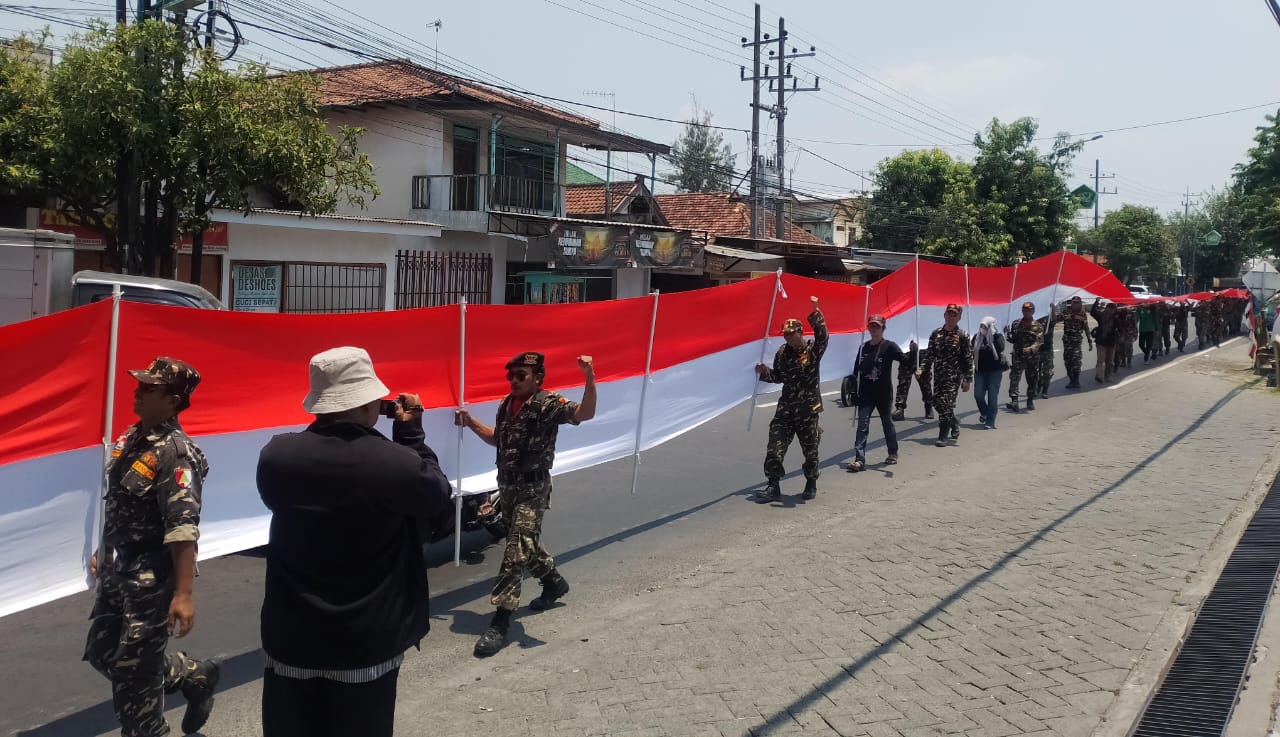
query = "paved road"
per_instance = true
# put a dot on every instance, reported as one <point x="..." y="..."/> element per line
<point x="1008" y="586"/>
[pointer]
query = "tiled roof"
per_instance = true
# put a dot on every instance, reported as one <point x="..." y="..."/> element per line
<point x="724" y="215"/>
<point x="403" y="81"/>
<point x="588" y="199"/>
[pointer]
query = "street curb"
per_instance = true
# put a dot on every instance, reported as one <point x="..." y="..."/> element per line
<point x="1148" y="673"/>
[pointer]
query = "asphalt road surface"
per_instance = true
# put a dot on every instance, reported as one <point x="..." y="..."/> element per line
<point x="710" y="471"/>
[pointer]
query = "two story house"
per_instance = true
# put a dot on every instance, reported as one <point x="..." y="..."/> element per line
<point x="473" y="178"/>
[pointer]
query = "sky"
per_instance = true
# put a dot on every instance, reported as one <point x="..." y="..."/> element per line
<point x="893" y="74"/>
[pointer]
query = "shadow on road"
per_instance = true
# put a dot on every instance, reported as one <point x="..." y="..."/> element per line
<point x="785" y="718"/>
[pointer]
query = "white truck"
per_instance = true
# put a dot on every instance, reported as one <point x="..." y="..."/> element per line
<point x="36" y="279"/>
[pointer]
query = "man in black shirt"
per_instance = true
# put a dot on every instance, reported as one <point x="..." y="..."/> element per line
<point x="346" y="583"/>
<point x="874" y="371"/>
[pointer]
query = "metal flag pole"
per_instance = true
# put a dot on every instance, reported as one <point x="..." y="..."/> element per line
<point x="764" y="345"/>
<point x="462" y="402"/>
<point x="108" y="419"/>
<point x="862" y="336"/>
<point x="644" y="386"/>
<point x="1053" y="301"/>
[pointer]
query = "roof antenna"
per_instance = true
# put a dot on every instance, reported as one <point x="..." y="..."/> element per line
<point x="437" y="24"/>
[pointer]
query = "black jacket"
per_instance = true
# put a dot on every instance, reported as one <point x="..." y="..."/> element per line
<point x="346" y="583"/>
<point x="987" y="360"/>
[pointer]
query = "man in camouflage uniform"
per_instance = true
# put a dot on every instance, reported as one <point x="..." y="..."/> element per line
<point x="1128" y="333"/>
<point x="145" y="583"/>
<point x="949" y="358"/>
<point x="795" y="366"/>
<point x="528" y="421"/>
<point x="1180" y="312"/>
<point x="1044" y="368"/>
<point x="1164" y="313"/>
<point x="1075" y="330"/>
<point x="1025" y="336"/>
<point x="907" y="371"/>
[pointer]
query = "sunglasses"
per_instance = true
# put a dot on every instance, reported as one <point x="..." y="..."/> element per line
<point x="150" y="388"/>
<point x="518" y="375"/>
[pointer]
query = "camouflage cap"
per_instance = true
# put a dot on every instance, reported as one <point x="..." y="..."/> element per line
<point x="529" y="359"/>
<point x="1028" y="305"/>
<point x="792" y="325"/>
<point x="953" y="307"/>
<point x="177" y="375"/>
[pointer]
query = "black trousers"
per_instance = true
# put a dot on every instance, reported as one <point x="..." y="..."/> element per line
<point x="319" y="707"/>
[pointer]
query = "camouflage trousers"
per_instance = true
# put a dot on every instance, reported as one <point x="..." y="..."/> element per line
<point x="946" y="387"/>
<point x="905" y="372"/>
<point x="128" y="632"/>
<point x="1180" y="333"/>
<point x="1164" y="336"/>
<point x="1124" y="352"/>
<point x="1019" y="364"/>
<point x="523" y="506"/>
<point x="1072" y="358"/>
<point x="1045" y="369"/>
<point x="803" y="427"/>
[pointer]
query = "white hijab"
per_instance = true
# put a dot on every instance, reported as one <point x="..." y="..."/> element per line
<point x="987" y="333"/>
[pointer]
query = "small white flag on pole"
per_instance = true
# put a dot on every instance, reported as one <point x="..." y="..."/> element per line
<point x="781" y="290"/>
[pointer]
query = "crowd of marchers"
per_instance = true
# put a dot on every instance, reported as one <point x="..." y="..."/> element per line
<point x="952" y="361"/>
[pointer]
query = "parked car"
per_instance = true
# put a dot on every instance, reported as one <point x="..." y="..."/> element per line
<point x="36" y="279"/>
<point x="1141" y="291"/>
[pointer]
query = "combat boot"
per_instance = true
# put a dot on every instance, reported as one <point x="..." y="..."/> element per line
<point x="1031" y="404"/>
<point x="898" y="415"/>
<point x="810" y="489"/>
<point x="198" y="687"/>
<point x="943" y="434"/>
<point x="955" y="431"/>
<point x="1012" y="406"/>
<point x="928" y="412"/>
<point x="496" y="636"/>
<point x="553" y="587"/>
<point x="770" y="493"/>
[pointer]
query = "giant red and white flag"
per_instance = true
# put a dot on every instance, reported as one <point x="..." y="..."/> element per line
<point x="705" y="343"/>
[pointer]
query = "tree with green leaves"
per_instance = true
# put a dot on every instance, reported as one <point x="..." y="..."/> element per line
<point x="1136" y="243"/>
<point x="1257" y="182"/>
<point x="1222" y="211"/>
<point x="701" y="161"/>
<point x="925" y="202"/>
<point x="194" y="135"/>
<point x="1025" y="186"/>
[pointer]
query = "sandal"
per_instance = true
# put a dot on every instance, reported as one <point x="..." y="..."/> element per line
<point x="891" y="461"/>
<point x="856" y="466"/>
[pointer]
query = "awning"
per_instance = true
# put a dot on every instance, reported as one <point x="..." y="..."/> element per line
<point x="741" y="254"/>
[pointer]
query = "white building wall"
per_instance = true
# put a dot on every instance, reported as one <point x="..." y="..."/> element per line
<point x="401" y="144"/>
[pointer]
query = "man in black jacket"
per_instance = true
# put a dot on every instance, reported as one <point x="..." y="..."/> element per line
<point x="346" y="583"/>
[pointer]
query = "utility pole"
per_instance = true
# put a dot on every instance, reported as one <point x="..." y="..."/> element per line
<point x="1097" y="188"/>
<point x="780" y="112"/>
<point x="755" y="45"/>
<point x="1186" y="222"/>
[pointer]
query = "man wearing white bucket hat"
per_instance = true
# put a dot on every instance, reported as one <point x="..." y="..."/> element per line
<point x="346" y="584"/>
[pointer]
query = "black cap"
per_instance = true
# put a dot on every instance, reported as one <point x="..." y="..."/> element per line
<point x="530" y="360"/>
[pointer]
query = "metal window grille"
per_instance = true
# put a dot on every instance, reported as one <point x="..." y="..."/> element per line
<point x="311" y="288"/>
<point x="425" y="279"/>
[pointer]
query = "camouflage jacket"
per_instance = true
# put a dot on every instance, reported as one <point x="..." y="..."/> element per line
<point x="527" y="440"/>
<point x="154" y="482"/>
<point x="1022" y="335"/>
<point x="949" y="353"/>
<point x="798" y="371"/>
<point x="1075" y="326"/>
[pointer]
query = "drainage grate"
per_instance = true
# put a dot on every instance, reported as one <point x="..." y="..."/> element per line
<point x="1200" y="690"/>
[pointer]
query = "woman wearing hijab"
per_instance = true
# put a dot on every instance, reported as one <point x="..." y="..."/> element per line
<point x="988" y="351"/>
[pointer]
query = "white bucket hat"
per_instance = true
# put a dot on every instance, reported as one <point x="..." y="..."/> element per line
<point x="342" y="379"/>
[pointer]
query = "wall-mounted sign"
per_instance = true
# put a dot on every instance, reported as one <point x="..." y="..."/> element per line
<point x="572" y="245"/>
<point x="256" y="287"/>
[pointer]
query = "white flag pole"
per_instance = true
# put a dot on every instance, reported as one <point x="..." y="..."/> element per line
<point x="1053" y="299"/>
<point x="644" y="386"/>
<point x="764" y="345"/>
<point x="108" y="419"/>
<point x="916" y="336"/>
<point x="862" y="336"/>
<point x="1008" y="315"/>
<point x="968" y="307"/>
<point x="462" y="402"/>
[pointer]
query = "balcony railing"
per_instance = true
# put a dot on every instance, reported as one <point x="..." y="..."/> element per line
<point x="482" y="192"/>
